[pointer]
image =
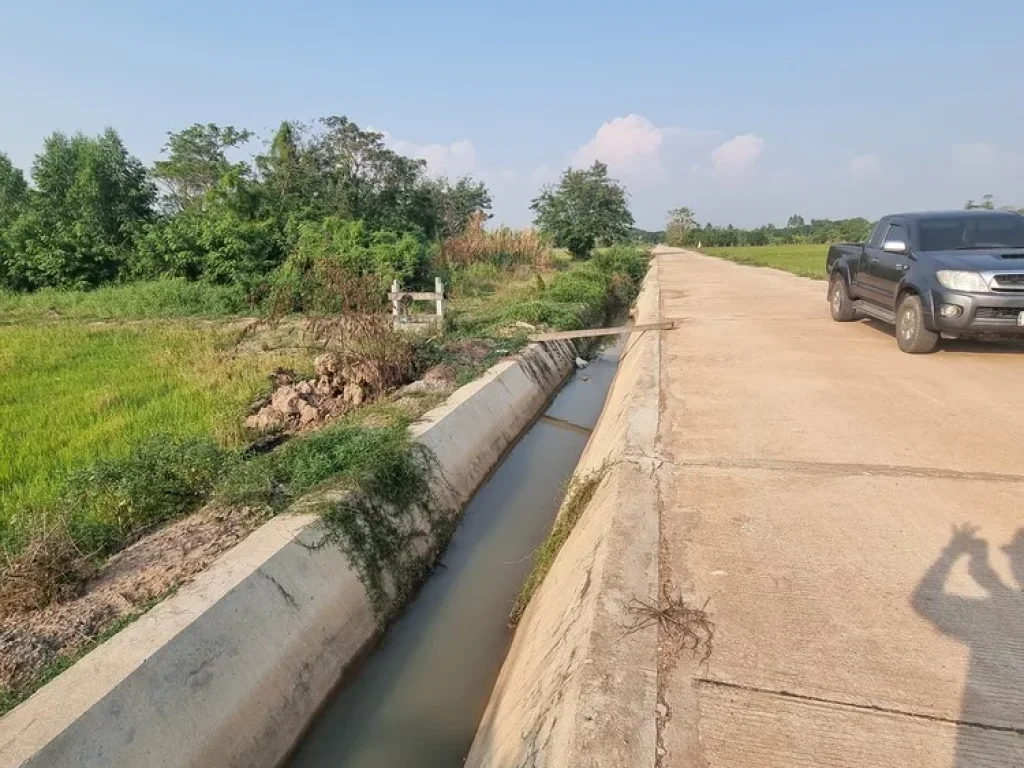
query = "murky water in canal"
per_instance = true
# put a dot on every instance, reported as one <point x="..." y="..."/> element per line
<point x="419" y="697"/>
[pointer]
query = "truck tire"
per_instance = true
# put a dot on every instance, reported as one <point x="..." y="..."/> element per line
<point x="911" y="334"/>
<point x="839" y="302"/>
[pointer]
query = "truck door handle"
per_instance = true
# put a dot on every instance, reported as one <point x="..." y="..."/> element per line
<point x="874" y="259"/>
<point x="903" y="266"/>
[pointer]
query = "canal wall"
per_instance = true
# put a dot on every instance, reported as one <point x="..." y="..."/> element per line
<point x="579" y="685"/>
<point x="231" y="669"/>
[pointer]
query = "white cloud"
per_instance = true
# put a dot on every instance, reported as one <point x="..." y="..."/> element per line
<point x="452" y="160"/>
<point x="737" y="156"/>
<point x="629" y="144"/>
<point x="980" y="158"/>
<point x="541" y="175"/>
<point x="865" y="167"/>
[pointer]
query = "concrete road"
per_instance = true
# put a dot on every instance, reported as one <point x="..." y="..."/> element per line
<point x="813" y="478"/>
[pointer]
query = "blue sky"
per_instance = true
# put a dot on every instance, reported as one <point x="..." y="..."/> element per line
<point x="744" y="110"/>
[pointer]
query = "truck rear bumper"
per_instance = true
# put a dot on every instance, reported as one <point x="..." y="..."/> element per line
<point x="979" y="313"/>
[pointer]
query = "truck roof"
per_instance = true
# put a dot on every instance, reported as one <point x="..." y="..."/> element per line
<point x="955" y="214"/>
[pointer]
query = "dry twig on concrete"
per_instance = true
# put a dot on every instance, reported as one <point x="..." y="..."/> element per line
<point x="689" y="628"/>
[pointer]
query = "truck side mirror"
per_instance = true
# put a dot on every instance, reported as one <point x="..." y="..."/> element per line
<point x="894" y="246"/>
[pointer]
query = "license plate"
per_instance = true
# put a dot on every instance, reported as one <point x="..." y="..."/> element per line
<point x="1020" y="319"/>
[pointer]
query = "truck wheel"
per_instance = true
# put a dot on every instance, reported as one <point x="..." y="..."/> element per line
<point x="839" y="302"/>
<point x="911" y="334"/>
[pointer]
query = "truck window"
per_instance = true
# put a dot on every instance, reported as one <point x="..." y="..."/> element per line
<point x="875" y="241"/>
<point x="896" y="232"/>
<point x="966" y="232"/>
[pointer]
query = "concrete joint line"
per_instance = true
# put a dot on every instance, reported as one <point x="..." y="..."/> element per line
<point x="847" y="469"/>
<point x="852" y="705"/>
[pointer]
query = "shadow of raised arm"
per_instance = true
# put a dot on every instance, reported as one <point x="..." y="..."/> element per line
<point x="952" y="614"/>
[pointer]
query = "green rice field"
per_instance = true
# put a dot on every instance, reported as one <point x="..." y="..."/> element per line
<point x="806" y="260"/>
<point x="71" y="392"/>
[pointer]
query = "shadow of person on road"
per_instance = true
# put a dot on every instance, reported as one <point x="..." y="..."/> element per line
<point x="991" y="723"/>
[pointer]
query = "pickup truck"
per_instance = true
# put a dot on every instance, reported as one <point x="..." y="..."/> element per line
<point x="956" y="274"/>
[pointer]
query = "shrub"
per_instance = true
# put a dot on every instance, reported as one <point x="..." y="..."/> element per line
<point x="397" y="257"/>
<point x="585" y="288"/>
<point x="627" y="260"/>
<point x="377" y="461"/>
<point x="478" y="279"/>
<point x="101" y="509"/>
<point x="216" y="245"/>
<point x="160" y="479"/>
<point x="339" y="266"/>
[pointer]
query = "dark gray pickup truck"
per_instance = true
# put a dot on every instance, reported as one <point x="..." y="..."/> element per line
<point x="932" y="275"/>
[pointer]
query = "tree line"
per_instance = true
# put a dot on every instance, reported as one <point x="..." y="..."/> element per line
<point x="94" y="213"/>
<point x="684" y="230"/>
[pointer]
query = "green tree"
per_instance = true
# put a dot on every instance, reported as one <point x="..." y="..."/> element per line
<point x="91" y="202"/>
<point x="13" y="199"/>
<point x="334" y="168"/>
<point x="363" y="178"/>
<point x="680" y="222"/>
<point x="197" y="162"/>
<point x="292" y="184"/>
<point x="13" y="191"/>
<point x="455" y="204"/>
<point x="584" y="208"/>
<point x="795" y="222"/>
<point x="214" y="244"/>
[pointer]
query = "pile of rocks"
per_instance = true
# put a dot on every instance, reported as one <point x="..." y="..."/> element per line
<point x="298" y="404"/>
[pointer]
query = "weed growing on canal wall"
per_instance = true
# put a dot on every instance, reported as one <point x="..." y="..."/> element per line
<point x="577" y="497"/>
<point x="390" y="525"/>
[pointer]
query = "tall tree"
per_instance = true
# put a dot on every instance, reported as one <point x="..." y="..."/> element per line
<point x="13" y="191"/>
<point x="289" y="184"/>
<point x="680" y="222"/>
<point x="91" y="200"/>
<point x="197" y="162"/>
<point x="585" y="207"/>
<point x="795" y="222"/>
<point x="13" y="199"/>
<point x="456" y="204"/>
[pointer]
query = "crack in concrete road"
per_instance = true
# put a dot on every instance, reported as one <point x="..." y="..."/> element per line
<point x="853" y="705"/>
<point x="847" y="470"/>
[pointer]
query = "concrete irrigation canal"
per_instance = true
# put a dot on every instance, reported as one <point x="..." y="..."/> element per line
<point x="419" y="698"/>
<point x="275" y="655"/>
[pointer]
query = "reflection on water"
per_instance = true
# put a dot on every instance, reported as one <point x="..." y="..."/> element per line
<point x="418" y="699"/>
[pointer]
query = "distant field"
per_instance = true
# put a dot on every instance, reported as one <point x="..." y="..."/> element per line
<point x="71" y="392"/>
<point x="803" y="260"/>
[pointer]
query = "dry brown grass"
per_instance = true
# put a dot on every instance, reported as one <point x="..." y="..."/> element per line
<point x="368" y="350"/>
<point x="505" y="248"/>
<point x="50" y="567"/>
<point x="681" y="625"/>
